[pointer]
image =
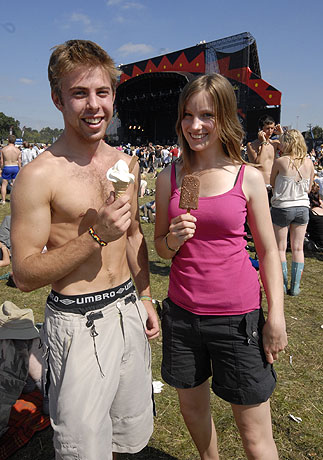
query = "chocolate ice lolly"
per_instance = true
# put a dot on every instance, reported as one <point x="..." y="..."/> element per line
<point x="190" y="189"/>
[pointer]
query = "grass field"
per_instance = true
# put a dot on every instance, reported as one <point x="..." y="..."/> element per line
<point x="299" y="369"/>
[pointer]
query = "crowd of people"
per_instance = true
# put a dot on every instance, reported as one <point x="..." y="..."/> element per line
<point x="100" y="305"/>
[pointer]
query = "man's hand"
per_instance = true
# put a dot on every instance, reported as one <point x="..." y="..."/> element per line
<point x="262" y="136"/>
<point x="114" y="218"/>
<point x="152" y="324"/>
<point x="278" y="129"/>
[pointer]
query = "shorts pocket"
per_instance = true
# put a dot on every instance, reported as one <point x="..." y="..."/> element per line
<point x="252" y="325"/>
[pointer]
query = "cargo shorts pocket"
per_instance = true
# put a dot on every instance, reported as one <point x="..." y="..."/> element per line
<point x="252" y="325"/>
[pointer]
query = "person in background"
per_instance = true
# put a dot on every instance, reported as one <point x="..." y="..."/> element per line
<point x="210" y="329"/>
<point x="319" y="181"/>
<point x="10" y="163"/>
<point x="262" y="151"/>
<point x="315" y="224"/>
<point x="27" y="154"/>
<point x="291" y="178"/>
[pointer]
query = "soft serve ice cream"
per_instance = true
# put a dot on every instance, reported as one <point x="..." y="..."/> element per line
<point x="120" y="176"/>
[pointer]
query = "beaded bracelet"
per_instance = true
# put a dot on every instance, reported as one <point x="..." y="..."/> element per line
<point x="170" y="249"/>
<point x="96" y="237"/>
<point x="146" y="297"/>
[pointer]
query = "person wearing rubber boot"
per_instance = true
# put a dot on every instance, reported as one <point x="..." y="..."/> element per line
<point x="291" y="178"/>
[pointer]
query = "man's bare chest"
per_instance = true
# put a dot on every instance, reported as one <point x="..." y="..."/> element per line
<point x="78" y="193"/>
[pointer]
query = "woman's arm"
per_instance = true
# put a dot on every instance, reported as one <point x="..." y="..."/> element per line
<point x="259" y="220"/>
<point x="169" y="237"/>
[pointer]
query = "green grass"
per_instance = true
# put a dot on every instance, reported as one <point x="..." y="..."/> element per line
<point x="299" y="389"/>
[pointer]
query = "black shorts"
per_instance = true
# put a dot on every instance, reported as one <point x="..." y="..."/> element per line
<point x="227" y="347"/>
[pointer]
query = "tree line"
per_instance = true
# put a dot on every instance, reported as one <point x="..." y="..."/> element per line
<point x="47" y="135"/>
<point x="44" y="136"/>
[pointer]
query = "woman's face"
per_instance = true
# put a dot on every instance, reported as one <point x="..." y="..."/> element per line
<point x="199" y="124"/>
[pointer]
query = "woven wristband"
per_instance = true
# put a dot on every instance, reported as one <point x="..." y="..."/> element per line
<point x="96" y="237"/>
<point x="146" y="297"/>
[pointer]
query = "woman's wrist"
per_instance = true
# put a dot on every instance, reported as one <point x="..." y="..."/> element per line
<point x="170" y="248"/>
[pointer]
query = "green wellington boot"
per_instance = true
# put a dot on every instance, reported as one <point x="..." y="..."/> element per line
<point x="285" y="276"/>
<point x="297" y="271"/>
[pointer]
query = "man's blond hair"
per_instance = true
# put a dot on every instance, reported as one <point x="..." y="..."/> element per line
<point x="74" y="53"/>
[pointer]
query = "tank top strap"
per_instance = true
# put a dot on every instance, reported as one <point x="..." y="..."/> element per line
<point x="173" y="179"/>
<point x="297" y="169"/>
<point x="239" y="178"/>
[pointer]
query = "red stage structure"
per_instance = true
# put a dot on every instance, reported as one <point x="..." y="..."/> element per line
<point x="147" y="94"/>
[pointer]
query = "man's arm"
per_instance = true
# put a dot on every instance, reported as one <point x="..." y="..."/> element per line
<point x="276" y="143"/>
<point x="137" y="257"/>
<point x="30" y="230"/>
<point x="252" y="152"/>
<point x="31" y="226"/>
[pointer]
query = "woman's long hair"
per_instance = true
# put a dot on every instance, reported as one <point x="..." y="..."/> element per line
<point x="293" y="145"/>
<point x="225" y="111"/>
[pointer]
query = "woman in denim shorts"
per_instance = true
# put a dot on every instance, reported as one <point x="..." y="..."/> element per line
<point x="291" y="178"/>
<point x="212" y="321"/>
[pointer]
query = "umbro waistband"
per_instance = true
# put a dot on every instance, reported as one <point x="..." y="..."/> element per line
<point x="87" y="302"/>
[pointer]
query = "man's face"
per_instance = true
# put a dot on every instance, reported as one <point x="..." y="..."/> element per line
<point x="268" y="130"/>
<point x="86" y="102"/>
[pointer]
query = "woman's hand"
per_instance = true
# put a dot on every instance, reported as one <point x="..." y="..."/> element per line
<point x="274" y="339"/>
<point x="181" y="229"/>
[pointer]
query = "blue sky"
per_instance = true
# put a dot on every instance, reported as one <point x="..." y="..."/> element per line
<point x="288" y="34"/>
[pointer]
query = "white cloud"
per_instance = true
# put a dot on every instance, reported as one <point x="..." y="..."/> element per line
<point x="83" y="19"/>
<point x="164" y="50"/>
<point x="125" y="4"/>
<point x="114" y="2"/>
<point x="135" y="5"/>
<point x="26" y="81"/>
<point x="120" y="19"/>
<point x="79" y="20"/>
<point x="132" y="48"/>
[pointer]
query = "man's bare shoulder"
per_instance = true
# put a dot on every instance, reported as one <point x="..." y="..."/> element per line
<point x="43" y="168"/>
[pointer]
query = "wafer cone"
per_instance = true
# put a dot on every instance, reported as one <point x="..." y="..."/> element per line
<point x="120" y="188"/>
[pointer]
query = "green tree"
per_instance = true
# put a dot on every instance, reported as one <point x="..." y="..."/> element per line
<point x="316" y="130"/>
<point x="47" y="135"/>
<point x="7" y="124"/>
<point x="31" y="135"/>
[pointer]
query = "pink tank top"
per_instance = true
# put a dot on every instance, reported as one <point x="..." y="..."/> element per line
<point x="211" y="274"/>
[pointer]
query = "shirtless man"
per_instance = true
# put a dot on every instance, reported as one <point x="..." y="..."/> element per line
<point x="96" y="328"/>
<point x="263" y="150"/>
<point x="10" y="165"/>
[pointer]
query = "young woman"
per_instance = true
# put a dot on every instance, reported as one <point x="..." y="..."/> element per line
<point x="212" y="320"/>
<point x="291" y="178"/>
